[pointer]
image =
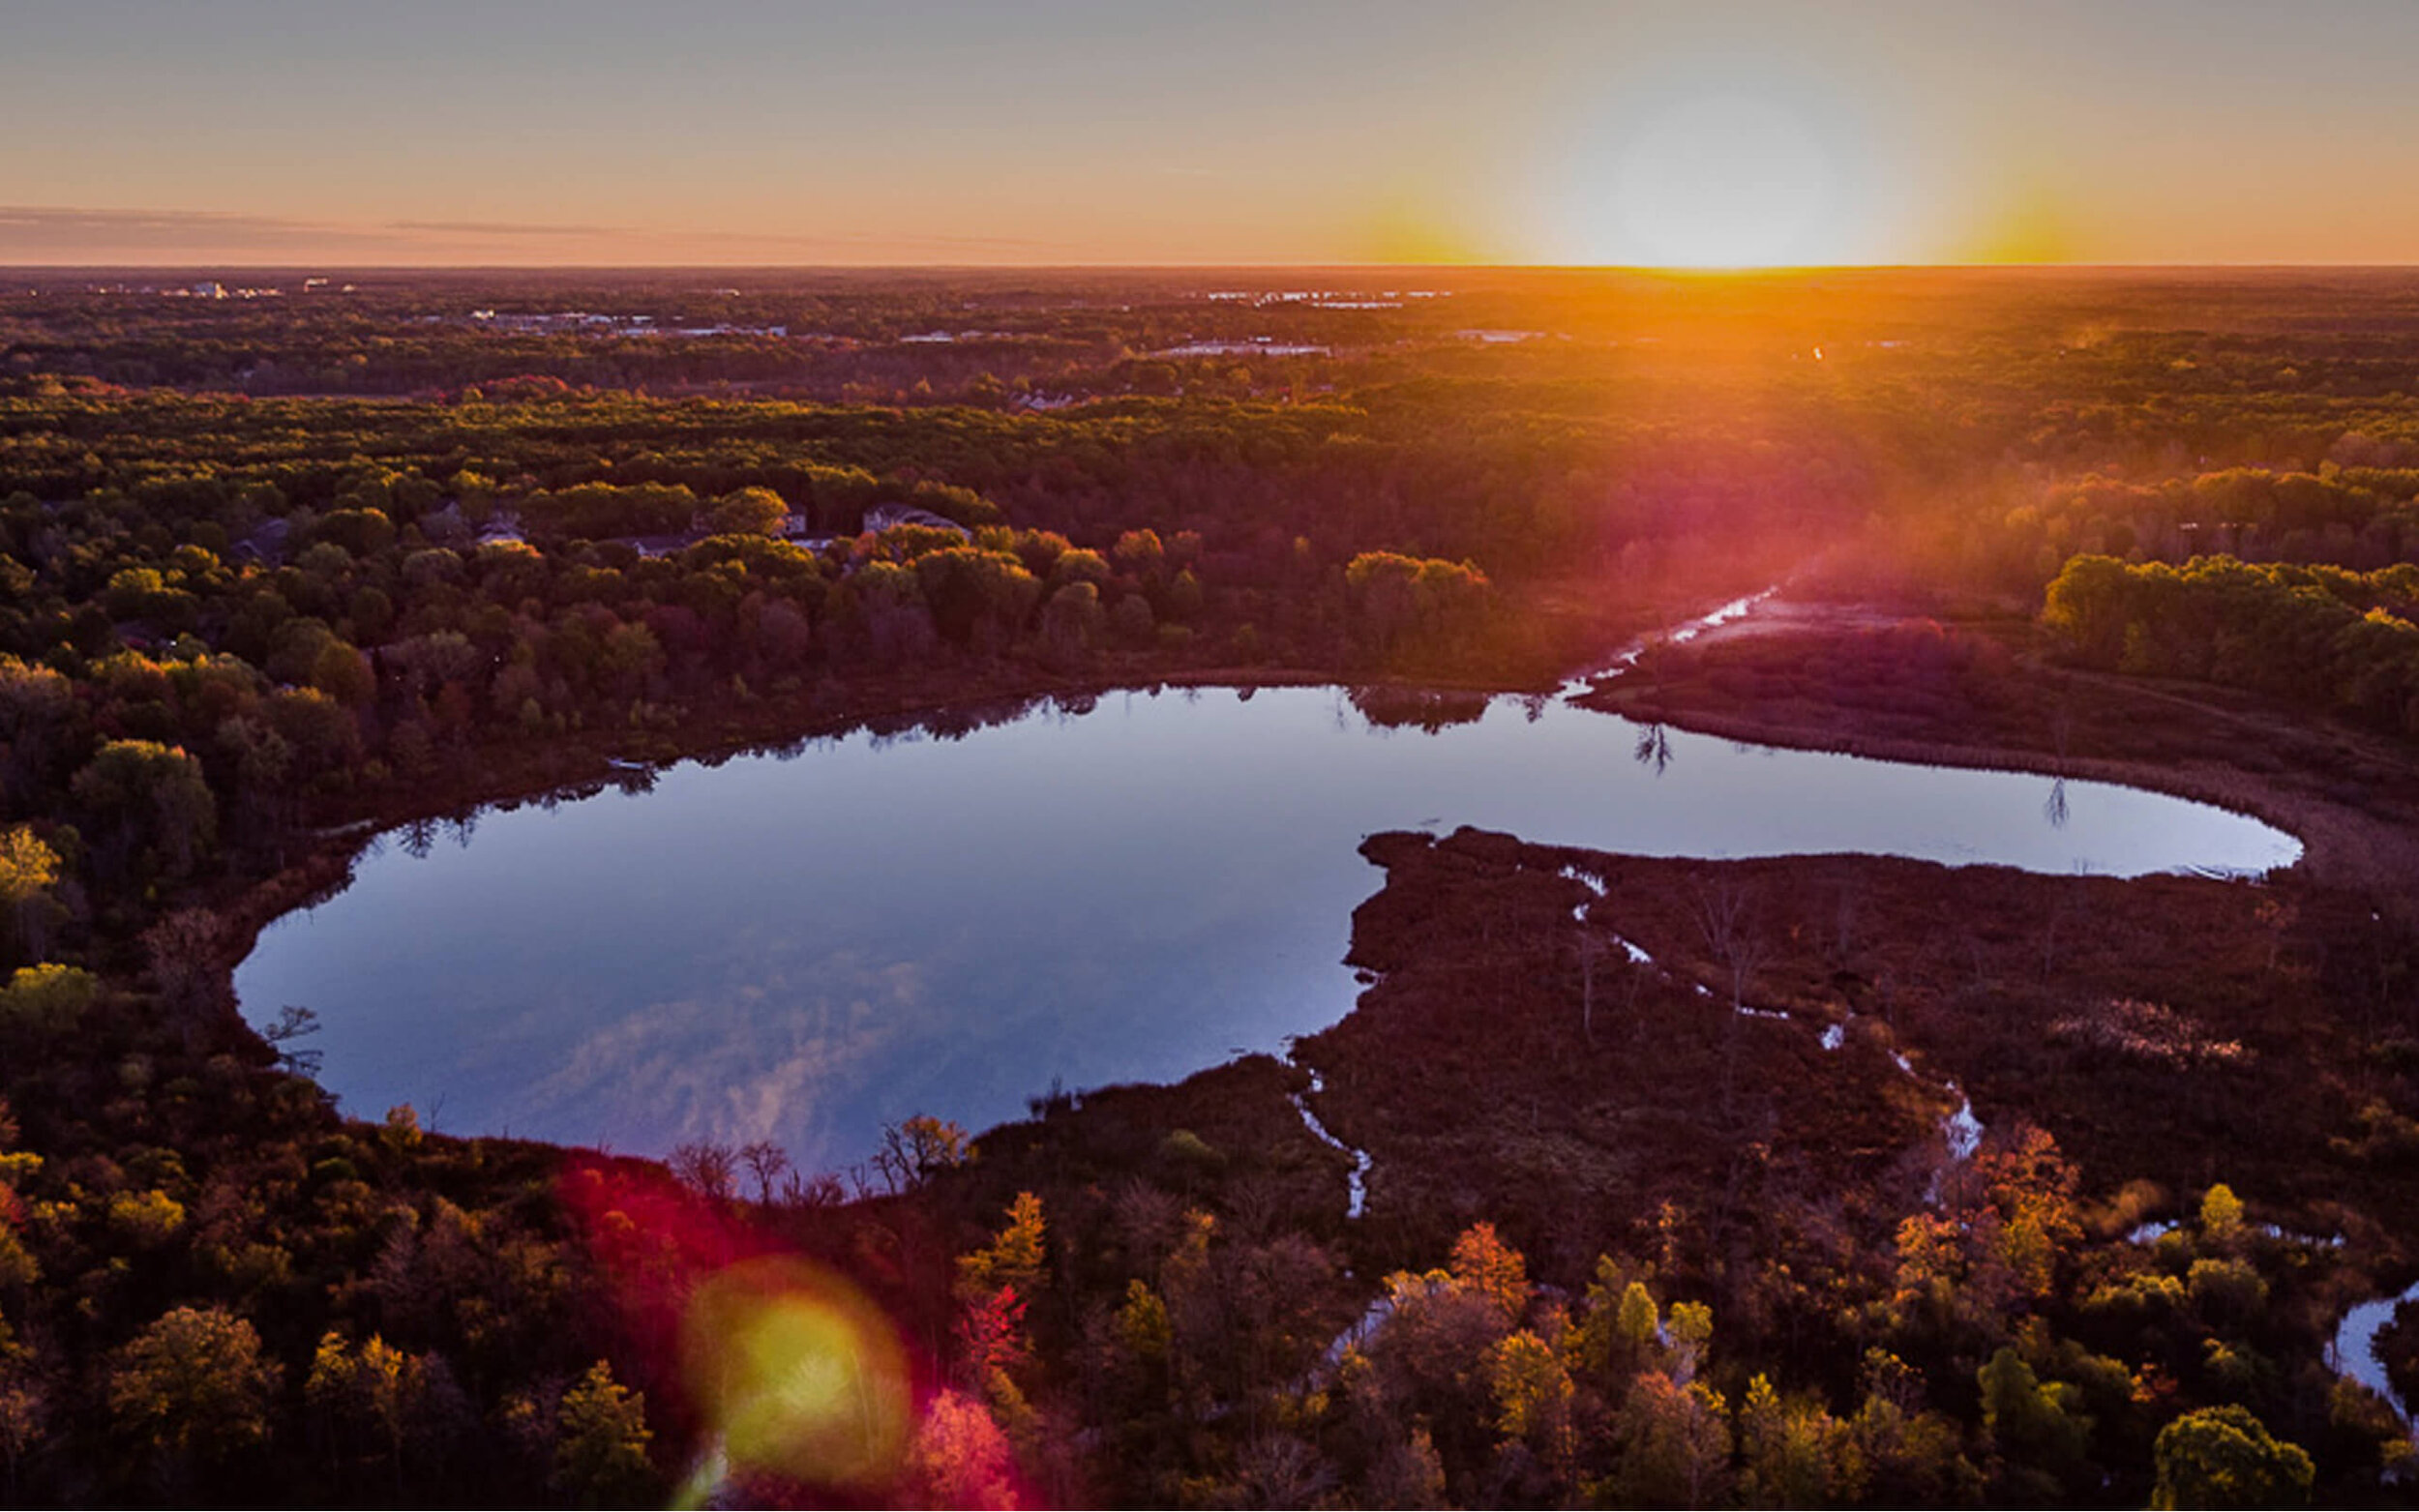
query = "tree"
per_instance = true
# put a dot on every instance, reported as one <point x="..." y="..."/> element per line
<point x="1675" y="1444"/>
<point x="2088" y="608"/>
<point x="1690" y="1325"/>
<point x="766" y="1162"/>
<point x="48" y="998"/>
<point x="152" y="797"/>
<point x="28" y="870"/>
<point x="600" y="1444"/>
<point x="912" y="1153"/>
<point x="2221" y="1214"/>
<point x="707" y="1166"/>
<point x="2042" y="1438"/>
<point x="1407" y="1473"/>
<point x="1726" y="917"/>
<point x="1071" y="624"/>
<point x="193" y="1387"/>
<point x="1484" y="1265"/>
<point x="364" y="1397"/>
<point x="1075" y="565"/>
<point x="1797" y="1454"/>
<point x="364" y="532"/>
<point x="959" y="1457"/>
<point x="37" y="707"/>
<point x="2224" y="1457"/>
<point x="23" y="1414"/>
<point x="1532" y="1399"/>
<point x="749" y="512"/>
<point x="1131" y="621"/>
<point x="184" y="952"/>
<point x="1014" y="1257"/>
<point x="1592" y="949"/>
<point x="977" y="598"/>
<point x="1140" y="552"/>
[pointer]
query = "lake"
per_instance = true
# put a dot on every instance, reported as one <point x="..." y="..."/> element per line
<point x="807" y="945"/>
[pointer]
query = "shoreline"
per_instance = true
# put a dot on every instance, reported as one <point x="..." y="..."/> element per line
<point x="2342" y="845"/>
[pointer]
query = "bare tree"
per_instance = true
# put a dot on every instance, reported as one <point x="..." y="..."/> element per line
<point x="1843" y="922"/>
<point x="1591" y="951"/>
<point x="2278" y="917"/>
<point x="1735" y="938"/>
<point x="293" y="1023"/>
<point x="914" y="1150"/>
<point x="766" y="1162"/>
<point x="825" y="1190"/>
<point x="185" y="952"/>
<point x="706" y="1166"/>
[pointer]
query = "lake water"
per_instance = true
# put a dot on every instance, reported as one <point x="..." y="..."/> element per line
<point x="804" y="947"/>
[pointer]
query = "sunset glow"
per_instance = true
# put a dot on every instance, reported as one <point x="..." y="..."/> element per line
<point x="1067" y="133"/>
<point x="1274" y="754"/>
<point x="1721" y="182"/>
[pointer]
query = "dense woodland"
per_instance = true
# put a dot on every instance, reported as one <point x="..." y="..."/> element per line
<point x="276" y="569"/>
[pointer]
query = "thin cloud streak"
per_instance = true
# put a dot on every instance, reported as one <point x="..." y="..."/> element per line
<point x="43" y="234"/>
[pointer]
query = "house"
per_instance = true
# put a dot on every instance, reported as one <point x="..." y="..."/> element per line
<point x="882" y="517"/>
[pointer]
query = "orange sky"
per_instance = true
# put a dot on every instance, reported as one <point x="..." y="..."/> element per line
<point x="134" y="130"/>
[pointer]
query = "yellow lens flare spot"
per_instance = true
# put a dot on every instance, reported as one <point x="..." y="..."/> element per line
<point x="799" y="1374"/>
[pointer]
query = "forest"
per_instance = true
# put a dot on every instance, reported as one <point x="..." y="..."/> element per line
<point x="280" y="573"/>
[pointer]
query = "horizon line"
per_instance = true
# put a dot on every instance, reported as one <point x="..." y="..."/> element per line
<point x="1676" y="270"/>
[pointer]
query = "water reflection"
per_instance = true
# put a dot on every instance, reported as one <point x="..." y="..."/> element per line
<point x="945" y="915"/>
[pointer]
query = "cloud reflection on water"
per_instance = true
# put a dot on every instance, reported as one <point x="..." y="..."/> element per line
<point x="803" y="947"/>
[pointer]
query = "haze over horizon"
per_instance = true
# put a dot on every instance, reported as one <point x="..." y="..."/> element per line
<point x="1749" y="133"/>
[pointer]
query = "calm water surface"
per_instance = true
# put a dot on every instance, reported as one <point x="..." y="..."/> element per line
<point x="805" y="947"/>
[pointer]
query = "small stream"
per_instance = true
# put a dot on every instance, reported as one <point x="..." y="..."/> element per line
<point x="2355" y="1351"/>
<point x="1357" y="1182"/>
<point x="1960" y="1129"/>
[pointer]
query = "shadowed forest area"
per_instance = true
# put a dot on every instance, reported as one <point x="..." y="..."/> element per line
<point x="1811" y="1180"/>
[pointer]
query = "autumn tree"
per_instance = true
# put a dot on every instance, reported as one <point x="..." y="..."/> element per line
<point x="601" y="1440"/>
<point x="1674" y="1444"/>
<point x="1014" y="1257"/>
<point x="192" y="1389"/>
<point x="2224" y="1457"/>
<point x="959" y="1458"/>
<point x="46" y="1000"/>
<point x="916" y="1149"/>
<point x="1487" y="1267"/>
<point x="28" y="871"/>
<point x="751" y="510"/>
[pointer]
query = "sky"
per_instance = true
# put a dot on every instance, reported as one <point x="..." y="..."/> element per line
<point x="1049" y="132"/>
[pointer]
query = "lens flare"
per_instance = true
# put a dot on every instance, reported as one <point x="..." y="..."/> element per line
<point x="797" y="1374"/>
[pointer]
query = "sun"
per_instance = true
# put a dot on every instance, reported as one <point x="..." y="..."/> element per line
<point x="1713" y="178"/>
<point x="1723" y="180"/>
